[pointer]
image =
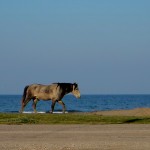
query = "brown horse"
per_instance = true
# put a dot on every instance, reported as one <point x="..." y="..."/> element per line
<point x="54" y="92"/>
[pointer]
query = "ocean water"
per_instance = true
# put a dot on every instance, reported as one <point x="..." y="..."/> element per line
<point x="87" y="103"/>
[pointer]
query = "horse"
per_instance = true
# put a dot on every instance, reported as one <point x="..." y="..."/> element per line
<point x="54" y="92"/>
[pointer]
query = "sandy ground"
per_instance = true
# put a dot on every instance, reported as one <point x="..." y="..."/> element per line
<point x="132" y="112"/>
<point x="75" y="137"/>
<point x="78" y="137"/>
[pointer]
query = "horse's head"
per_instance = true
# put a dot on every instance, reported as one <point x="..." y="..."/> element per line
<point x="75" y="90"/>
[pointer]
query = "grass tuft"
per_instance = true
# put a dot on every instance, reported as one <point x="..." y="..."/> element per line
<point x="74" y="118"/>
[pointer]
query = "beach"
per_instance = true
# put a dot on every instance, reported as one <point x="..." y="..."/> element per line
<point x="75" y="137"/>
<point x="132" y="112"/>
<point x="79" y="137"/>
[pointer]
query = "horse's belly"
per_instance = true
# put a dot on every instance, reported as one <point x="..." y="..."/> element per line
<point x="43" y="97"/>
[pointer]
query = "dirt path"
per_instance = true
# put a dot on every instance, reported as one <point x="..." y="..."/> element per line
<point x="75" y="137"/>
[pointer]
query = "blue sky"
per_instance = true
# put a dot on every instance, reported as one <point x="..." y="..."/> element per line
<point x="102" y="45"/>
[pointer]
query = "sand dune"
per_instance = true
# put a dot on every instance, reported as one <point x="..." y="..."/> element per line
<point x="132" y="112"/>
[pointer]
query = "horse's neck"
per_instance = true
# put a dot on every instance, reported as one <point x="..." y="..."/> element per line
<point x="67" y="88"/>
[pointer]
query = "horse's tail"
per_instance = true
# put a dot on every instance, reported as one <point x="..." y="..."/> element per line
<point x="23" y="98"/>
<point x="24" y="94"/>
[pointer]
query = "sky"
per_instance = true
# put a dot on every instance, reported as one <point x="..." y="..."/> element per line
<point x="102" y="45"/>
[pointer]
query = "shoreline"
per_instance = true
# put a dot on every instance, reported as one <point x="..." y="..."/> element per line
<point x="121" y="112"/>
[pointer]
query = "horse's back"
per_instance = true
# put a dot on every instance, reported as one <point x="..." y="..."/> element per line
<point x="42" y="91"/>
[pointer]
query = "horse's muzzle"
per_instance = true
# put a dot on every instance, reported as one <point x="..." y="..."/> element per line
<point x="79" y="96"/>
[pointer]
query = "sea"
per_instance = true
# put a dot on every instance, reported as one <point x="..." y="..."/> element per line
<point x="87" y="103"/>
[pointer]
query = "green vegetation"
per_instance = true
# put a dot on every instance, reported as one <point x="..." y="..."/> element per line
<point x="69" y="119"/>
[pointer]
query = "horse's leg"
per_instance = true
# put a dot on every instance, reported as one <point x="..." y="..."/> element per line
<point x="34" y="104"/>
<point x="63" y="105"/>
<point x="52" y="106"/>
<point x="24" y="104"/>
